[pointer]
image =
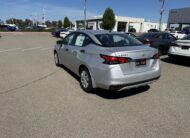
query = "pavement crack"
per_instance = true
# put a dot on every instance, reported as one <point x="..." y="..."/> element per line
<point x="29" y="83"/>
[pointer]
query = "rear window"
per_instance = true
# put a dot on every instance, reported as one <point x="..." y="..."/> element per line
<point x="117" y="40"/>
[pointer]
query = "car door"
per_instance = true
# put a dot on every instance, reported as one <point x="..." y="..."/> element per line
<point x="164" y="42"/>
<point x="78" y="51"/>
<point x="64" y="50"/>
<point x="169" y="40"/>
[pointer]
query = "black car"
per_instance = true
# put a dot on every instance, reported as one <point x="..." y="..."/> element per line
<point x="56" y="31"/>
<point x="131" y="34"/>
<point x="153" y="30"/>
<point x="160" y="40"/>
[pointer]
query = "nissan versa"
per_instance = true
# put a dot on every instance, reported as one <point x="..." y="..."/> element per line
<point x="108" y="60"/>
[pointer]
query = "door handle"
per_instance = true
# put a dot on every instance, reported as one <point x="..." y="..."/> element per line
<point x="66" y="49"/>
<point x="82" y="51"/>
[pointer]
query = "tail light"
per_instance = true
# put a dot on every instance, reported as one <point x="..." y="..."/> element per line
<point x="156" y="56"/>
<point x="111" y="60"/>
<point x="174" y="45"/>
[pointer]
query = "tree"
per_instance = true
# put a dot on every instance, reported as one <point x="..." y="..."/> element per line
<point x="108" y="22"/>
<point x="48" y="23"/>
<point x="54" y="24"/>
<point x="28" y="22"/>
<point x="60" y="24"/>
<point x="66" y="22"/>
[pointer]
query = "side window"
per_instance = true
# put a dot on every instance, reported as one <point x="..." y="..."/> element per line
<point x="82" y="40"/>
<point x="69" y="39"/>
<point x="164" y="36"/>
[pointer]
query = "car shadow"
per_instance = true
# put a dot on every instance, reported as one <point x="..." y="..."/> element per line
<point x="70" y="72"/>
<point x="182" y="61"/>
<point x="111" y="95"/>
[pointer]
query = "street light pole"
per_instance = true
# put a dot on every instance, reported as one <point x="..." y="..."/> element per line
<point x="161" y="14"/>
<point x="85" y="14"/>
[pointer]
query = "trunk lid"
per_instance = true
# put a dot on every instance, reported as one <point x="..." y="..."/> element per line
<point x="137" y="54"/>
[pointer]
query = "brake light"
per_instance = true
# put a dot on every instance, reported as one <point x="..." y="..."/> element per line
<point x="114" y="60"/>
<point x="156" y="56"/>
<point x="174" y="45"/>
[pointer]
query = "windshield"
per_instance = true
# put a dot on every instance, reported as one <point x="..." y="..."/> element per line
<point x="117" y="40"/>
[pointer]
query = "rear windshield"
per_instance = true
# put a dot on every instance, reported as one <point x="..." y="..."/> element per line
<point x="117" y="40"/>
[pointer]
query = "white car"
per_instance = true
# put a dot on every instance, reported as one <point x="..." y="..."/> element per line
<point x="64" y="33"/>
<point x="178" y="34"/>
<point x="180" y="48"/>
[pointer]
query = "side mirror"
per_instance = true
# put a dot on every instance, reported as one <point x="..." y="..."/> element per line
<point x="59" y="42"/>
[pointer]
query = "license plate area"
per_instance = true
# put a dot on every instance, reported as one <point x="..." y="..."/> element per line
<point x="141" y="62"/>
<point x="185" y="47"/>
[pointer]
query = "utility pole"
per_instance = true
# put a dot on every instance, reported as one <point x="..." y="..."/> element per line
<point x="161" y="14"/>
<point x="44" y="16"/>
<point x="85" y="23"/>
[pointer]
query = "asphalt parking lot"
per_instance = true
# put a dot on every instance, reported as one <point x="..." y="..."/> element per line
<point x="38" y="99"/>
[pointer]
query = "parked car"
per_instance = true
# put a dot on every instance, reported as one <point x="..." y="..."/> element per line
<point x="153" y="30"/>
<point x="159" y="40"/>
<point x="108" y="60"/>
<point x="131" y="34"/>
<point x="64" y="33"/>
<point x="180" y="48"/>
<point x="186" y="30"/>
<point x="56" y="31"/>
<point x="178" y="34"/>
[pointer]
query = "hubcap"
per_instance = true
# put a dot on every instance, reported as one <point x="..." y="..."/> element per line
<point x="84" y="79"/>
<point x="56" y="58"/>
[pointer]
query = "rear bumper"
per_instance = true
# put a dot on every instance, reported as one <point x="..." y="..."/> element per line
<point x="132" y="85"/>
<point x="116" y="80"/>
<point x="172" y="51"/>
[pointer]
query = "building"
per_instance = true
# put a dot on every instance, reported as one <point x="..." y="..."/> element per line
<point x="179" y="18"/>
<point x="123" y="24"/>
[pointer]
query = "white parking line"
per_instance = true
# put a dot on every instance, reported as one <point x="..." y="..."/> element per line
<point x="43" y="49"/>
<point x="8" y="50"/>
<point x="28" y="49"/>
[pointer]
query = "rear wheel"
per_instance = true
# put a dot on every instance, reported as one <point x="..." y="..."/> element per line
<point x="85" y="80"/>
<point x="56" y="59"/>
<point x="160" y="51"/>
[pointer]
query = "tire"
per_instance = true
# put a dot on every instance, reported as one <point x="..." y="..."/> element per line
<point x="56" y="59"/>
<point x="161" y="51"/>
<point x="86" y="80"/>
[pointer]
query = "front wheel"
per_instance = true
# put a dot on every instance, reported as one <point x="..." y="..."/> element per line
<point x="56" y="59"/>
<point x="85" y="80"/>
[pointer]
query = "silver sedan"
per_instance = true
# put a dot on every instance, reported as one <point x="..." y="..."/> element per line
<point x="108" y="60"/>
